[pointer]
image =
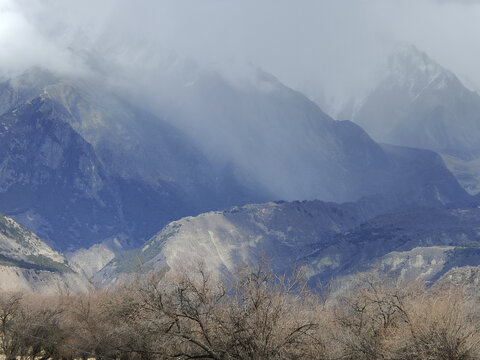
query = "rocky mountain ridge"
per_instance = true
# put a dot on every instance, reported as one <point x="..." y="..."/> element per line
<point x="28" y="263"/>
<point x="330" y="240"/>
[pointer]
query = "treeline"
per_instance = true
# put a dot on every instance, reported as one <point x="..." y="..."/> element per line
<point x="256" y="315"/>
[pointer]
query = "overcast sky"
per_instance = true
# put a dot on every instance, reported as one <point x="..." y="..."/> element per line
<point x="308" y="44"/>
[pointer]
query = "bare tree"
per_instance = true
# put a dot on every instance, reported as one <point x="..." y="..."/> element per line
<point x="254" y="314"/>
<point x="10" y="335"/>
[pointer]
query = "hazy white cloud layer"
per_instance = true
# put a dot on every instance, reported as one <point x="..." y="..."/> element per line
<point x="335" y="43"/>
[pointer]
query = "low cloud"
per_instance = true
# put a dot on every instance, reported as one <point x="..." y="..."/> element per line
<point x="332" y="47"/>
<point x="462" y="2"/>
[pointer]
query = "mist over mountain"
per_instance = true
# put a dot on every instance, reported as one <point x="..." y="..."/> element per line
<point x="333" y="46"/>
<point x="79" y="171"/>
<point x="83" y="163"/>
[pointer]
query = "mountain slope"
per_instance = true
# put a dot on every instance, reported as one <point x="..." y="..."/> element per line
<point x="331" y="240"/>
<point x="285" y="143"/>
<point x="27" y="263"/>
<point x="50" y="176"/>
<point x="80" y="170"/>
<point x="281" y="231"/>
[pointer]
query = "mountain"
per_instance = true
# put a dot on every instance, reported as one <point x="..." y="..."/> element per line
<point x="282" y="231"/>
<point x="80" y="168"/>
<point x="282" y="141"/>
<point x="331" y="240"/>
<point x="50" y="176"/>
<point x="420" y="104"/>
<point x="416" y="243"/>
<point x="467" y="172"/>
<point x="28" y="263"/>
<point x="84" y="162"/>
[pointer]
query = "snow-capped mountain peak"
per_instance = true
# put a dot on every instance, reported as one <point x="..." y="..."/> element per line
<point x="414" y="70"/>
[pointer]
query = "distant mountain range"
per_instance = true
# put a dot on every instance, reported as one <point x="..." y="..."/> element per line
<point x="81" y="164"/>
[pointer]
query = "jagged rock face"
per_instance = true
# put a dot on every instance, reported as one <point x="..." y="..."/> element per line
<point x="330" y="240"/>
<point x="422" y="105"/>
<point x="53" y="180"/>
<point x="28" y="263"/>
<point x="51" y="177"/>
<point x="138" y="146"/>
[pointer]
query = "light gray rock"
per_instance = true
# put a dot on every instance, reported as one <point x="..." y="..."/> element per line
<point x="328" y="240"/>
